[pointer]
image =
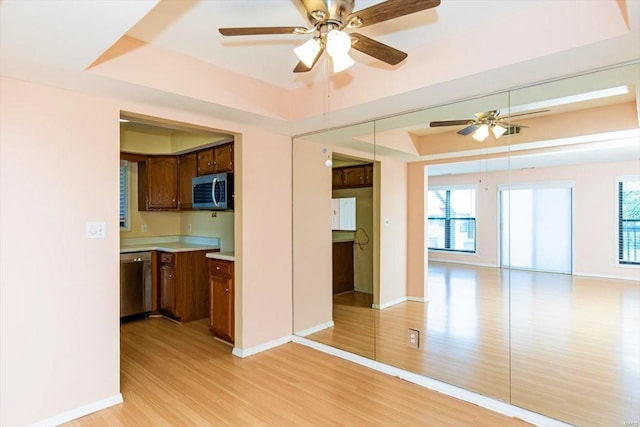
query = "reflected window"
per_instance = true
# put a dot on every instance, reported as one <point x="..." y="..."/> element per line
<point x="629" y="220"/>
<point x="124" y="192"/>
<point x="452" y="219"/>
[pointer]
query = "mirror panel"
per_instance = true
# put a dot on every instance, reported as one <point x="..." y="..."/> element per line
<point x="333" y="269"/>
<point x="575" y="324"/>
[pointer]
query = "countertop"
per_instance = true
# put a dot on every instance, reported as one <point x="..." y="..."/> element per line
<point x="169" y="244"/>
<point x="226" y="256"/>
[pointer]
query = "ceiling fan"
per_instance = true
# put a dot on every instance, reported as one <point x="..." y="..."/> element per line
<point x="328" y="19"/>
<point x="485" y="122"/>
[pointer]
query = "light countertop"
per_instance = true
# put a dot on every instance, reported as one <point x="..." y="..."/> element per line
<point x="226" y="256"/>
<point x="169" y="244"/>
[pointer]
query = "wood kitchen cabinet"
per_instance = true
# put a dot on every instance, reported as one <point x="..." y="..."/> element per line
<point x="183" y="285"/>
<point x="352" y="176"/>
<point x="221" y="315"/>
<point x="158" y="183"/>
<point x="186" y="172"/>
<point x="343" y="275"/>
<point x="215" y="159"/>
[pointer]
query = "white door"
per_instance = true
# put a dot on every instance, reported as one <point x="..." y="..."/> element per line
<point x="536" y="227"/>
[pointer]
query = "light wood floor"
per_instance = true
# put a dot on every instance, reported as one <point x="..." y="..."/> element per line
<point x="564" y="346"/>
<point x="178" y="375"/>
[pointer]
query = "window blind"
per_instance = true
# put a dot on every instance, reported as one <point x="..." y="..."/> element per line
<point x="124" y="166"/>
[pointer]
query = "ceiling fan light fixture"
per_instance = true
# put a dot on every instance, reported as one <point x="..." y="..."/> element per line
<point x="341" y="62"/>
<point x="308" y="51"/>
<point x="338" y="43"/>
<point x="482" y="133"/>
<point x="498" y="130"/>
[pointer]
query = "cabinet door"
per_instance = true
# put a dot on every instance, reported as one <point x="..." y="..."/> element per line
<point x="221" y="317"/>
<point x="223" y="158"/>
<point x="168" y="290"/>
<point x="354" y="176"/>
<point x="205" y="162"/>
<point x="343" y="274"/>
<point x="368" y="175"/>
<point x="187" y="171"/>
<point x="162" y="183"/>
<point x="337" y="177"/>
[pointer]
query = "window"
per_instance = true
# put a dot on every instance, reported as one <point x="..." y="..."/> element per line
<point x="124" y="194"/>
<point x="452" y="219"/>
<point x="629" y="220"/>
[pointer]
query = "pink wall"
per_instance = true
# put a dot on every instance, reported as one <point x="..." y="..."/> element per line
<point x="59" y="300"/>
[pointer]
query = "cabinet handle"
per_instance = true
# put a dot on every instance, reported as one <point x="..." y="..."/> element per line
<point x="226" y="289"/>
<point x="209" y="164"/>
<point x="217" y="268"/>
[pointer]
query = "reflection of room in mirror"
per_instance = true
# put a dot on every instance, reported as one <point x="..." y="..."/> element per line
<point x="498" y="314"/>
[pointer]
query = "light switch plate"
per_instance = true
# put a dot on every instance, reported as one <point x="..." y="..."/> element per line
<point x="96" y="229"/>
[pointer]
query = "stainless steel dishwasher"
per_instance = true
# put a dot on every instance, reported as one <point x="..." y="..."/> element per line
<point x="135" y="284"/>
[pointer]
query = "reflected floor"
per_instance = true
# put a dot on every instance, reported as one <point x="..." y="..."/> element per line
<point x="575" y="340"/>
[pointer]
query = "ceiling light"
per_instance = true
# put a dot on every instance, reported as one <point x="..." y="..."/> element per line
<point x="338" y="43"/>
<point x="498" y="130"/>
<point x="341" y="62"/>
<point x="308" y="51"/>
<point x="482" y="133"/>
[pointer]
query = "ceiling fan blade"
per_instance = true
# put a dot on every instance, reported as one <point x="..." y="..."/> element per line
<point x="467" y="130"/>
<point x="387" y="10"/>
<point x="376" y="49"/>
<point x="302" y="67"/>
<point x="449" y="123"/>
<point x="252" y="31"/>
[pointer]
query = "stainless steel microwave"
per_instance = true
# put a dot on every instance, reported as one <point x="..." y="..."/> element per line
<point x="213" y="192"/>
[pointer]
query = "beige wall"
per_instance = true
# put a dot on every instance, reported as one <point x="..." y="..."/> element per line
<point x="393" y="233"/>
<point x="417" y="255"/>
<point x="59" y="295"/>
<point x="595" y="216"/>
<point x="312" y="294"/>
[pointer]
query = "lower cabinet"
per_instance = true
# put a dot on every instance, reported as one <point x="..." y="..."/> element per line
<point x="221" y="313"/>
<point x="183" y="285"/>
<point x="343" y="275"/>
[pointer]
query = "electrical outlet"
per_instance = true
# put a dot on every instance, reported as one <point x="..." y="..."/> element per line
<point x="144" y="228"/>
<point x="413" y="338"/>
<point x="189" y="228"/>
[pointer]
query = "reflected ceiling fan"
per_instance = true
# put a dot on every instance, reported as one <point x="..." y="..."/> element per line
<point x="328" y="19"/>
<point x="485" y="122"/>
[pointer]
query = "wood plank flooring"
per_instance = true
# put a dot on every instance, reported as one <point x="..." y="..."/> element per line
<point x="178" y="375"/>
<point x="564" y="346"/>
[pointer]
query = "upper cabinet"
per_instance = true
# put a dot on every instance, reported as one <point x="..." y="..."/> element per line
<point x="158" y="183"/>
<point x="352" y="176"/>
<point x="215" y="159"/>
<point x="165" y="182"/>
<point x="186" y="172"/>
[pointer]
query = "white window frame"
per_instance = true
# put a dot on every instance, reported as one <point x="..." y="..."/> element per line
<point x="620" y="179"/>
<point x="455" y="187"/>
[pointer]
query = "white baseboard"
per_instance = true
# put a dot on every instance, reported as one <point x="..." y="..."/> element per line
<point x="475" y="264"/>
<point x="606" y="276"/>
<point x="314" y="329"/>
<point x="73" y="414"/>
<point x="246" y="352"/>
<point x="389" y="304"/>
<point x="417" y="299"/>
<point x="441" y="387"/>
